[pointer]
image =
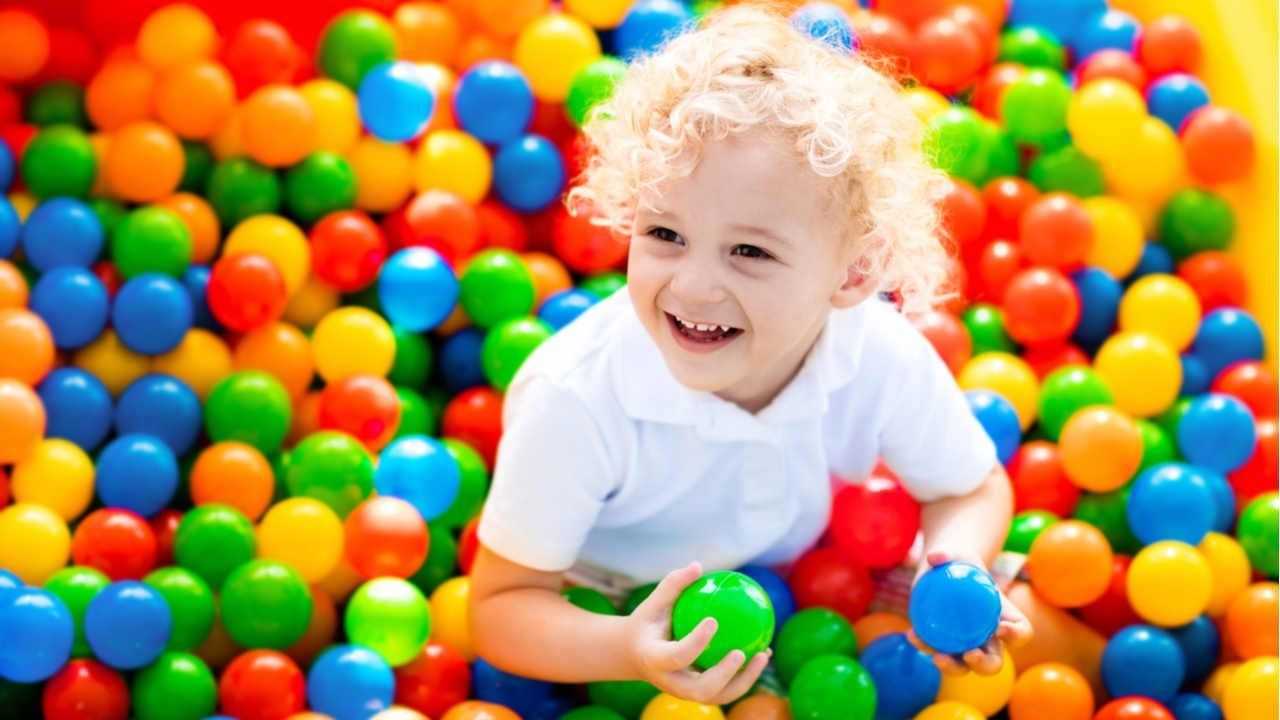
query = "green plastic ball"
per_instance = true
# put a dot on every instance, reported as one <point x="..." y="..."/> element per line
<point x="177" y="686"/>
<point x="741" y="608"/>
<point x="442" y="560"/>
<point x="592" y="85"/>
<point x="1157" y="446"/>
<point x="507" y="346"/>
<point x="412" y="362"/>
<point x="1025" y="528"/>
<point x="151" y="239"/>
<point x="1066" y="169"/>
<point x="591" y="712"/>
<point x="417" y="417"/>
<point x="250" y="406"/>
<point x="637" y="596"/>
<point x="354" y="43"/>
<point x="265" y="604"/>
<point x="57" y="103"/>
<point x="196" y="167"/>
<point x="1034" y="107"/>
<point x="625" y="697"/>
<point x="212" y="540"/>
<point x="1004" y="160"/>
<point x="808" y="634"/>
<point x="958" y="141"/>
<point x="322" y="183"/>
<point x="239" y="188"/>
<point x="190" y="603"/>
<point x="833" y="687"/>
<point x="391" y="617"/>
<point x="109" y="213"/>
<point x="985" y="324"/>
<point x="77" y="586"/>
<point x="1066" y="391"/>
<point x="1259" y="534"/>
<point x="331" y="467"/>
<point x="472" y="488"/>
<point x="1106" y="511"/>
<point x="496" y="286"/>
<point x="603" y="285"/>
<point x="1170" y="419"/>
<point x="58" y="161"/>
<point x="1032" y="46"/>
<point x="1194" y="221"/>
<point x="590" y="599"/>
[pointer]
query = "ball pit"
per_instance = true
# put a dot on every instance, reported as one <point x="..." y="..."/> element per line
<point x="263" y="283"/>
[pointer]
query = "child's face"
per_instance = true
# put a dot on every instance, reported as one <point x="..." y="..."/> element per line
<point x="745" y="245"/>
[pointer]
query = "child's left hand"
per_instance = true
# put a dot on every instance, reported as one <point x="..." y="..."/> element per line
<point x="1014" y="629"/>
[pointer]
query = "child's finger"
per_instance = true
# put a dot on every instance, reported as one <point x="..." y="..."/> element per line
<point x="949" y="665"/>
<point x="986" y="661"/>
<point x="663" y="597"/>
<point x="745" y="679"/>
<point x="1015" y="630"/>
<point x="715" y="679"/>
<point x="937" y="557"/>
<point x="684" y="651"/>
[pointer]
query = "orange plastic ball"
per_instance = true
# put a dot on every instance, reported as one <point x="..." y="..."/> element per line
<point x="22" y="421"/>
<point x="175" y="34"/>
<point x="277" y="126"/>
<point x="25" y="39"/>
<point x="235" y="474"/>
<point x="1070" y="564"/>
<point x="195" y="98"/>
<point x="320" y="631"/>
<point x="1251" y="625"/>
<point x="549" y="275"/>
<point x="26" y="346"/>
<point x="363" y="406"/>
<point x="873" y="626"/>
<point x="1218" y="144"/>
<point x="120" y="92"/>
<point x="427" y="32"/>
<point x="479" y="710"/>
<point x="1101" y="448"/>
<point x="144" y="162"/>
<point x="385" y="536"/>
<point x="505" y="18"/>
<point x="1051" y="691"/>
<point x="201" y="221"/>
<point x="761" y="707"/>
<point x="281" y="350"/>
<point x="13" y="286"/>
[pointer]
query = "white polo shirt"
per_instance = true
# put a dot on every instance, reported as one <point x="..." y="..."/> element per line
<point x="613" y="471"/>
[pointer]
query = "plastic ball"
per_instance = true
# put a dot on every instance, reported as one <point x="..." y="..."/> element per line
<point x="1143" y="372"/>
<point x="496" y="286"/>
<point x="26" y="36"/>
<point x="1169" y="583"/>
<point x="1040" y="307"/>
<point x="265" y="604"/>
<point x="1170" y="502"/>
<point x="391" y="617"/>
<point x="1115" y="221"/>
<point x="1217" y="432"/>
<point x="73" y="303"/>
<point x="419" y="471"/>
<point x="1057" y="231"/>
<point x="151" y="239"/>
<point x="551" y="50"/>
<point x="233" y="474"/>
<point x="1228" y="569"/>
<point x="76" y="587"/>
<point x="454" y="161"/>
<point x="648" y="25"/>
<point x="493" y="102"/>
<point x="239" y="188"/>
<point x="79" y="407"/>
<point x="86" y="687"/>
<point x="1101" y="448"/>
<point x="1007" y="375"/>
<point x="824" y="577"/>
<point x="152" y="313"/>
<point x="395" y="101"/>
<point x="528" y="173"/>
<point x="906" y="679"/>
<point x="1034" y="107"/>
<point x="1067" y="169"/>
<point x="955" y="607"/>
<point x="362" y="406"/>
<point x="1218" y="144"/>
<point x="999" y="419"/>
<point x="213" y="540"/>
<point x="1163" y="306"/>
<point x="987" y="694"/>
<point x="303" y="533"/>
<point x="259" y="53"/>
<point x="350" y="681"/>
<point x="830" y="686"/>
<point x="333" y="468"/>
<point x="26" y="346"/>
<point x="591" y="85"/>
<point x="1026" y="527"/>
<point x="1195" y="220"/>
<point x="437" y="219"/>
<point x="143" y="144"/>
<point x="137" y="472"/>
<point x="949" y="710"/>
<point x="57" y="475"/>
<point x="1253" y="384"/>
<point x="175" y="678"/>
<point x="277" y="126"/>
<point x="59" y="160"/>
<point x="508" y="345"/>
<point x="347" y="249"/>
<point x="1257" y="532"/>
<point x="385" y="536"/>
<point x="190" y="602"/>
<point x="322" y="183"/>
<point x="1251" y="692"/>
<point x="251" y="407"/>
<point x="417" y="289"/>
<point x="1053" y="691"/>
<point x="262" y="684"/>
<point x="1133" y="708"/>
<point x="61" y="232"/>
<point x="1070" y="564"/>
<point x="875" y="522"/>
<point x="1143" y="660"/>
<point x="128" y="625"/>
<point x="22" y="420"/>
<point x="1227" y="336"/>
<point x="39" y="630"/>
<point x="740" y="607"/>
<point x="352" y="341"/>
<point x="958" y="141"/>
<point x="1174" y="97"/>
<point x="1101" y="113"/>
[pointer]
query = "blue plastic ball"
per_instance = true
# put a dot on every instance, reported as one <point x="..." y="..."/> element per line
<point x="565" y="306"/>
<point x="1170" y="501"/>
<point x="460" y="360"/>
<point x="38" y="632"/>
<point x="61" y="231"/>
<point x="1099" y="305"/>
<point x="196" y="280"/>
<point x="77" y="407"/>
<point x="420" y="471"/>
<point x="1143" y="660"/>
<point x="74" y="304"/>
<point x="530" y="699"/>
<point x="955" y="607"/>
<point x="999" y="419"/>
<point x="1194" y="706"/>
<point x="350" y="682"/>
<point x="493" y="102"/>
<point x="1200" y="643"/>
<point x="152" y="313"/>
<point x="826" y="23"/>
<point x="1217" y="431"/>
<point x="528" y="174"/>
<point x="138" y="473"/>
<point x="127" y="625"/>
<point x="1174" y="97"/>
<point x="417" y="288"/>
<point x="1063" y="18"/>
<point x="649" y="25"/>
<point x="779" y="592"/>
<point x="10" y="227"/>
<point x="1195" y="377"/>
<point x="906" y="679"/>
<point x="1156" y="260"/>
<point x="1110" y="30"/>
<point x="7" y="167"/>
<point x="163" y="407"/>
<point x="1224" y="498"/>
<point x="9" y="581"/>
<point x="1227" y="336"/>
<point x="395" y="101"/>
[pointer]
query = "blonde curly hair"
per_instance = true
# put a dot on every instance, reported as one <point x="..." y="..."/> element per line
<point x="746" y="68"/>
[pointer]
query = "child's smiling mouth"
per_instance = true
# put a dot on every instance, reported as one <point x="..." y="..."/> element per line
<point x="701" y="337"/>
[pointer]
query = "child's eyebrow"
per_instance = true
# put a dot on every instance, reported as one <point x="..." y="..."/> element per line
<point x="762" y="232"/>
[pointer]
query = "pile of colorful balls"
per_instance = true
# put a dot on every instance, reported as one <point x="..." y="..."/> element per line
<point x="262" y="285"/>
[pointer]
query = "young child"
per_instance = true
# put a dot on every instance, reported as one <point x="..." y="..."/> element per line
<point x="771" y="188"/>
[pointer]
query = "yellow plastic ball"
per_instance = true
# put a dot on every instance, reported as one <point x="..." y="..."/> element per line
<point x="1118" y="235"/>
<point x="985" y="693"/>
<point x="926" y="103"/>
<point x="34" y="542"/>
<point x="312" y="302"/>
<point x="1008" y="375"/>
<point x="113" y="363"/>
<point x="175" y="34"/>
<point x="1143" y="372"/>
<point x="451" y="618"/>
<point x="950" y="710"/>
<point x="57" y="475"/>
<point x="551" y="50"/>
<point x="303" y="533"/>
<point x="200" y="361"/>
<point x="453" y="160"/>
<point x="383" y="172"/>
<point x="1169" y="583"/>
<point x="23" y="203"/>
<point x="1228" y="568"/>
<point x="1163" y="305"/>
<point x="396" y="712"/>
<point x="353" y="341"/>
<point x="1151" y="165"/>
<point x="667" y="707"/>
<point x="337" y="116"/>
<point x="599" y="14"/>
<point x="279" y="240"/>
<point x="1251" y="692"/>
<point x="1215" y="686"/>
<point x="1103" y="114"/>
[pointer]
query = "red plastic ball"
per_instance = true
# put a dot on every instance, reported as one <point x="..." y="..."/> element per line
<point x="118" y="542"/>
<point x="1039" y="482"/>
<point x="1169" y="44"/>
<point x="468" y="544"/>
<point x="261" y="52"/>
<point x="17" y="135"/>
<point x="246" y="291"/>
<point x="165" y="526"/>
<point x="474" y="416"/>
<point x="1259" y="472"/>
<point x="86" y="689"/>
<point x="1112" y="63"/>
<point x="1056" y="231"/>
<point x="947" y="55"/>
<point x="552" y="122"/>
<point x="828" y="578"/>
<point x="1044" y="359"/>
<point x="1254" y="384"/>
<point x="72" y="56"/>
<point x="1112" y="611"/>
<point x="4" y="489"/>
<point x="262" y="685"/>
<point x="385" y="536"/>
<point x="10" y="106"/>
<point x="991" y="86"/>
<point x="363" y="406"/>
<point x="501" y="227"/>
<point x="435" y="681"/>
<point x="949" y="337"/>
<point x="109" y="274"/>
<point x="979" y="24"/>
<point x="1216" y="278"/>
<point x="1007" y="199"/>
<point x="1041" y="307"/>
<point x="347" y="250"/>
<point x="1133" y="708"/>
<point x="884" y="40"/>
<point x="875" y="522"/>
<point x="962" y="212"/>
<point x="997" y="265"/>
<point x="911" y="12"/>
<point x="1218" y="144"/>
<point x="440" y="220"/>
<point x="584" y="247"/>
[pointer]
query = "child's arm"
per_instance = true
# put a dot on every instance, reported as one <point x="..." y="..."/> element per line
<point x="522" y="625"/>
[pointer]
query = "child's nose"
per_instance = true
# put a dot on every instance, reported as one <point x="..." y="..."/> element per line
<point x="695" y="284"/>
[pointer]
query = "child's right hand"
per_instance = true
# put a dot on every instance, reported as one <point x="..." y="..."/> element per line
<point x="667" y="664"/>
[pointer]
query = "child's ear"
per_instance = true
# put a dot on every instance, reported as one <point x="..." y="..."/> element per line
<point x="857" y="286"/>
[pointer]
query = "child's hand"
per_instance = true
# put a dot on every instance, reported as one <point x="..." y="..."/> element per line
<point x="1014" y="629"/>
<point x="667" y="663"/>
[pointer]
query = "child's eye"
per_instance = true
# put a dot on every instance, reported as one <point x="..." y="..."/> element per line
<point x="665" y="234"/>
<point x="751" y="251"/>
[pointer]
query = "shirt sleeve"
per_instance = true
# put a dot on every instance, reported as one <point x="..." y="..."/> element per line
<point x="928" y="435"/>
<point x="551" y="478"/>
